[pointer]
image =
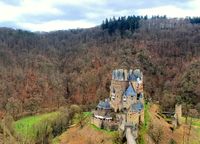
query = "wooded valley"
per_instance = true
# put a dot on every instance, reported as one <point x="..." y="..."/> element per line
<point x="42" y="71"/>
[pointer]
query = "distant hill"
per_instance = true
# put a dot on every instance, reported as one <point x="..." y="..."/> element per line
<point x="47" y="70"/>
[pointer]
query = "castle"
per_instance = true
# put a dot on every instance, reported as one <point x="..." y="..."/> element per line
<point x="125" y="105"/>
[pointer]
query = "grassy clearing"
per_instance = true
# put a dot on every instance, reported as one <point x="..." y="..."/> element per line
<point x="26" y="126"/>
<point x="198" y="130"/>
<point x="76" y="119"/>
<point x="146" y="115"/>
<point x="56" y="140"/>
<point x="87" y="113"/>
<point x="196" y="127"/>
<point x="195" y="121"/>
<point x="195" y="139"/>
<point x="144" y="127"/>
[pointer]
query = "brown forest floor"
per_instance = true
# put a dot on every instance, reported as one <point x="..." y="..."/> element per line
<point x="178" y="134"/>
<point x="1" y="138"/>
<point x="85" y="135"/>
<point x="90" y="135"/>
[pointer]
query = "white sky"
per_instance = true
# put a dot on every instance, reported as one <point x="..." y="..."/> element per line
<point x="49" y="15"/>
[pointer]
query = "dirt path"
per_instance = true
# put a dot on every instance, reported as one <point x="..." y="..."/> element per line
<point x="177" y="135"/>
<point x="7" y="133"/>
<point x="168" y="134"/>
<point x="85" y="135"/>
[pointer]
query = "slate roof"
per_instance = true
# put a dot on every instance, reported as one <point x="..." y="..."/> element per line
<point x="130" y="91"/>
<point x="120" y="74"/>
<point x="136" y="107"/>
<point x="137" y="73"/>
<point x="134" y="75"/>
<point x="104" y="105"/>
<point x="141" y="95"/>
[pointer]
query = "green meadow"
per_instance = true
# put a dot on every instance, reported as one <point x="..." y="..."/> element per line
<point x="27" y="127"/>
<point x="195" y="121"/>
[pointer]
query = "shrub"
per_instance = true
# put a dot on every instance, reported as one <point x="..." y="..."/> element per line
<point x="172" y="141"/>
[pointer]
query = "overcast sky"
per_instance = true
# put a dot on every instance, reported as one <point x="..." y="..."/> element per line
<point x="49" y="15"/>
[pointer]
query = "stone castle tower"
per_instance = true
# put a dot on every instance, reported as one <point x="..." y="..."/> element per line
<point x="126" y="96"/>
<point x="119" y="83"/>
<point x="178" y="113"/>
<point x="121" y="79"/>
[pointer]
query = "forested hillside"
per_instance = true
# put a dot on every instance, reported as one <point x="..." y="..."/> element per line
<point x="47" y="70"/>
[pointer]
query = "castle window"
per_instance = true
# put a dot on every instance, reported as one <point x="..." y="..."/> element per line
<point x="137" y="85"/>
<point x="138" y="96"/>
<point x="131" y="97"/>
<point x="113" y="90"/>
<point x="113" y="94"/>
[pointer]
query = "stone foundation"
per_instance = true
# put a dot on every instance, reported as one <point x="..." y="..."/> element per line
<point x="97" y="122"/>
<point x="104" y="124"/>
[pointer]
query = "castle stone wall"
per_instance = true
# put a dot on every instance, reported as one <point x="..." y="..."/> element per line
<point x="119" y="87"/>
<point x="96" y="122"/>
<point x="133" y="118"/>
<point x="137" y="86"/>
<point x="129" y="101"/>
<point x="109" y="125"/>
<point x="104" y="124"/>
